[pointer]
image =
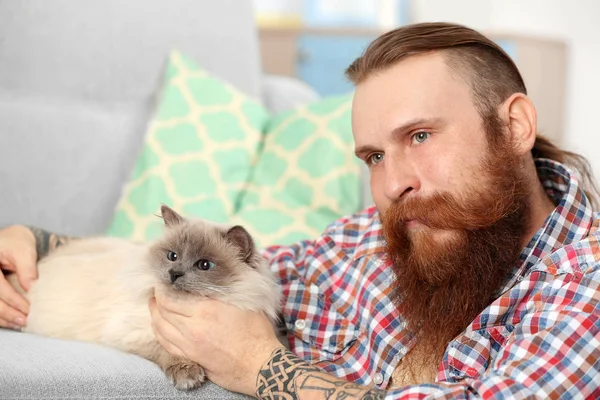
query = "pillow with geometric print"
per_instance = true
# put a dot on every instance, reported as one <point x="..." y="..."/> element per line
<point x="197" y="152"/>
<point x="306" y="177"/>
<point x="214" y="153"/>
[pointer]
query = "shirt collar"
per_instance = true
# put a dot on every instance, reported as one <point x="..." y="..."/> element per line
<point x="570" y="221"/>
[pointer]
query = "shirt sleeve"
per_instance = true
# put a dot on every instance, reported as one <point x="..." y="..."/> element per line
<point x="553" y="352"/>
<point x="289" y="263"/>
<point x="293" y="262"/>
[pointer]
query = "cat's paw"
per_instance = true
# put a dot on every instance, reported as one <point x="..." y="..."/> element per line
<point x="186" y="375"/>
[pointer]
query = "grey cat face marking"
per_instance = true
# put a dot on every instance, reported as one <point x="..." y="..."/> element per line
<point x="197" y="257"/>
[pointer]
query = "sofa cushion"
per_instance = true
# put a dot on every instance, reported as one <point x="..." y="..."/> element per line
<point x="200" y="148"/>
<point x="76" y="87"/>
<point x="112" y="50"/>
<point x="62" y="163"/>
<point x="201" y="157"/>
<point x="197" y="152"/>
<point x="306" y="176"/>
<point x="36" y="367"/>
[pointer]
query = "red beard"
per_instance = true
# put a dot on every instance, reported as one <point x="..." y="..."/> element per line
<point x="443" y="283"/>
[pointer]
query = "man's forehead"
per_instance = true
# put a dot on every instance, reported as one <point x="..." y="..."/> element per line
<point x="409" y="76"/>
<point x="419" y="87"/>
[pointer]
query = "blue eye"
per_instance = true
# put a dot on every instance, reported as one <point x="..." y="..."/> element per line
<point x="375" y="158"/>
<point x="421" y="137"/>
<point x="172" y="256"/>
<point x="205" y="265"/>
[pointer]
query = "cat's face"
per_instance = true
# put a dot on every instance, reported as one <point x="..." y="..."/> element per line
<point x="200" y="258"/>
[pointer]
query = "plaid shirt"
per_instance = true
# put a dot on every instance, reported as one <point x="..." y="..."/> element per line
<point x="540" y="337"/>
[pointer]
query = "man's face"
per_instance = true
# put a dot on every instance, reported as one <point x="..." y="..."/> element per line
<point x="454" y="208"/>
<point x="415" y="124"/>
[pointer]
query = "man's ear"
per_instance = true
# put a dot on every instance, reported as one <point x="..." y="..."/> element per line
<point x="519" y="114"/>
<point x="170" y="217"/>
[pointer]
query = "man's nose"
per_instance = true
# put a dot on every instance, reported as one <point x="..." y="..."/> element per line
<point x="400" y="180"/>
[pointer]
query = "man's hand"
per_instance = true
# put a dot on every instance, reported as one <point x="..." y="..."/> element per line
<point x="231" y="344"/>
<point x="17" y="254"/>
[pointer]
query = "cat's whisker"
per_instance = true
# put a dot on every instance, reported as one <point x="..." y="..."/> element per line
<point x="216" y="290"/>
<point x="202" y="286"/>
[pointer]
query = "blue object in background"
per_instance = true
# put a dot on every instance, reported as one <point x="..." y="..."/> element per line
<point x="350" y="13"/>
<point x="348" y="16"/>
<point x="323" y="60"/>
<point x="510" y="47"/>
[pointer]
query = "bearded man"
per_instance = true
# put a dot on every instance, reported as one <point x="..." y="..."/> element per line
<point x="475" y="275"/>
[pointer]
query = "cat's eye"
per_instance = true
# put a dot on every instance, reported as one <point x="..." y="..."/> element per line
<point x="172" y="256"/>
<point x="205" y="265"/>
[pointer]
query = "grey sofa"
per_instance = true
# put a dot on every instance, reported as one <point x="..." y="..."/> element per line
<point x="77" y="80"/>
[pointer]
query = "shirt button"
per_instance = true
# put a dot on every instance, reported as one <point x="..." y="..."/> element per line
<point x="300" y="324"/>
<point x="397" y="358"/>
<point x="378" y="379"/>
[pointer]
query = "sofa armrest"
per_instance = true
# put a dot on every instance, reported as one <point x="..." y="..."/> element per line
<point x="280" y="93"/>
<point x="36" y="367"/>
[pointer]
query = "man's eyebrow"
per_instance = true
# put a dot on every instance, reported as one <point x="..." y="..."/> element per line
<point x="410" y="125"/>
<point x="362" y="150"/>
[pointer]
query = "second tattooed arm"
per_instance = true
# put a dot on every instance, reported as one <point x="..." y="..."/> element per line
<point x="285" y="376"/>
<point x="46" y="242"/>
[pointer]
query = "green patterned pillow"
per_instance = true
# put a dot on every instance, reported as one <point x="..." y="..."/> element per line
<point x="197" y="153"/>
<point x="306" y="177"/>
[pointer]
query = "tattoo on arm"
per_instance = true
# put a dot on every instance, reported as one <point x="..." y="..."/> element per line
<point x="285" y="376"/>
<point x="46" y="242"/>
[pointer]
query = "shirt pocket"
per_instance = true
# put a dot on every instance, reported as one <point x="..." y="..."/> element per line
<point x="318" y="331"/>
<point x="470" y="355"/>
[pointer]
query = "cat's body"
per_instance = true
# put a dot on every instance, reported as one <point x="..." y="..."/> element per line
<point x="98" y="289"/>
<point x="95" y="290"/>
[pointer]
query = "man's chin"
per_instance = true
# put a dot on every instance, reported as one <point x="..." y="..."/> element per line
<point x="418" y="231"/>
<point x="413" y="224"/>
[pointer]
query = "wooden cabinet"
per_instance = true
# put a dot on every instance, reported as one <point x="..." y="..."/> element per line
<point x="317" y="56"/>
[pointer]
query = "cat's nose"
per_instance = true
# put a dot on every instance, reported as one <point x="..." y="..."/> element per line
<point x="175" y="275"/>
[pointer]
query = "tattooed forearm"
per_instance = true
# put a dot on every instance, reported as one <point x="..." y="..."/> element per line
<point x="277" y="378"/>
<point x="285" y="376"/>
<point x="45" y="241"/>
<point x="330" y="387"/>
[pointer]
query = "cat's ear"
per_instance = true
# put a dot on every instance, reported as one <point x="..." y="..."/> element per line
<point x="242" y="239"/>
<point x="170" y="217"/>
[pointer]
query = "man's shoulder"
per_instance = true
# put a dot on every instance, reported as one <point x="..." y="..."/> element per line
<point x="358" y="233"/>
<point x="355" y="234"/>
<point x="577" y="257"/>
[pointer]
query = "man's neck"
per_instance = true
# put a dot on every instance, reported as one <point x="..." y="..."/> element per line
<point x="540" y="206"/>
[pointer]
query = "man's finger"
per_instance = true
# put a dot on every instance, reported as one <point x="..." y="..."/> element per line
<point x="7" y="325"/>
<point x="169" y="325"/>
<point x="7" y="263"/>
<point x="24" y="264"/>
<point x="11" y="317"/>
<point x="10" y="296"/>
<point x="27" y="271"/>
<point x="168" y="346"/>
<point x="164" y="302"/>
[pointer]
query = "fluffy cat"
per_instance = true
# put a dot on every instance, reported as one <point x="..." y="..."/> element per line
<point x="97" y="289"/>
